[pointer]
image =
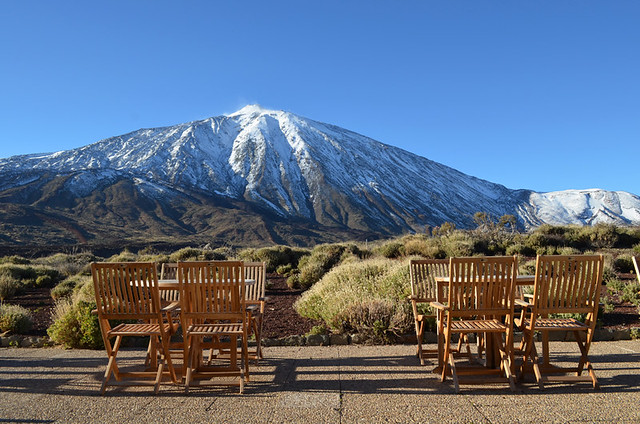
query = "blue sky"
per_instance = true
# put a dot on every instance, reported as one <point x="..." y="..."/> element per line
<point x="543" y="95"/>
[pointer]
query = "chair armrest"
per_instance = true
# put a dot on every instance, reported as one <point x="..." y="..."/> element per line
<point x="439" y="306"/>
<point x="171" y="307"/>
<point x="524" y="303"/>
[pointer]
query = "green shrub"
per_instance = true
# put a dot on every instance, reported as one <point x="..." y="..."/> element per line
<point x="631" y="293"/>
<point x="322" y="259"/>
<point x="519" y="249"/>
<point x="70" y="285"/>
<point x="607" y="304"/>
<point x="623" y="264"/>
<point x="391" y="250"/>
<point x="9" y="286"/>
<point x="284" y="270"/>
<point x="275" y="256"/>
<point x="457" y="243"/>
<point x="14" y="319"/>
<point x="75" y="326"/>
<point x="424" y="246"/>
<point x="379" y="321"/>
<point x="354" y="296"/>
<point x="17" y="260"/>
<point x="124" y="256"/>
<point x="69" y="264"/>
<point x="318" y="330"/>
<point x="615" y="286"/>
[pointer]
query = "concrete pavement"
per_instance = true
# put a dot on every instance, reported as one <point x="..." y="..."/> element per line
<point x="332" y="384"/>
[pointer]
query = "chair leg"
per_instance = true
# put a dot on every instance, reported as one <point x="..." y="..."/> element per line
<point x="112" y="366"/>
<point x="454" y="373"/>
<point x="419" y="329"/>
<point x="445" y="356"/>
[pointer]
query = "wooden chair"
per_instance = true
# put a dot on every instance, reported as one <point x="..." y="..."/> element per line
<point x="255" y="299"/>
<point x="480" y="300"/>
<point x="169" y="271"/>
<point x="170" y="298"/>
<point x="564" y="285"/>
<point x="423" y="291"/>
<point x="636" y="266"/>
<point x="129" y="291"/>
<point x="213" y="306"/>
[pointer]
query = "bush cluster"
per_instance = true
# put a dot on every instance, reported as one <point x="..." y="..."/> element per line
<point x="367" y="296"/>
<point x="14" y="319"/>
<point x="75" y="326"/>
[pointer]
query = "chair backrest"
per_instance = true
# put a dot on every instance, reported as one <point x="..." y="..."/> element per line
<point x="256" y="271"/>
<point x="212" y="290"/>
<point x="567" y="284"/>
<point x="635" y="260"/>
<point x="423" y="273"/>
<point x="482" y="285"/>
<point x="169" y="271"/>
<point x="126" y="290"/>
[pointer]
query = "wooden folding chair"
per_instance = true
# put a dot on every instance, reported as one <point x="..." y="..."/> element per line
<point x="213" y="306"/>
<point x="424" y="290"/>
<point x="170" y="299"/>
<point x="636" y="266"/>
<point x="564" y="285"/>
<point x="480" y="300"/>
<point x="129" y="291"/>
<point x="255" y="300"/>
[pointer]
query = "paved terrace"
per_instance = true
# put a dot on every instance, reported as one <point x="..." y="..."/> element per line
<point x="333" y="384"/>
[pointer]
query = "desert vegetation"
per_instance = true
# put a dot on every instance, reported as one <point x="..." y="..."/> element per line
<point x="354" y="287"/>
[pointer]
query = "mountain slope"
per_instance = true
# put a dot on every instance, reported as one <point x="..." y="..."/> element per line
<point x="271" y="176"/>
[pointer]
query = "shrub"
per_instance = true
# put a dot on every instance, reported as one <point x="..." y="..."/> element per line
<point x="391" y="250"/>
<point x="14" y="319"/>
<point x="124" y="256"/>
<point x="519" y="249"/>
<point x="69" y="264"/>
<point x="457" y="243"/>
<point x="17" y="260"/>
<point x="9" y="286"/>
<point x="379" y="321"/>
<point x="623" y="264"/>
<point x="354" y="296"/>
<point x="274" y="256"/>
<point x="284" y="270"/>
<point x="631" y="293"/>
<point x="67" y="287"/>
<point x="322" y="259"/>
<point x="426" y="247"/>
<point x="185" y="254"/>
<point x="75" y="326"/>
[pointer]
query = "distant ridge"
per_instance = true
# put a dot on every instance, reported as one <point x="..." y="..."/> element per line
<point x="261" y="176"/>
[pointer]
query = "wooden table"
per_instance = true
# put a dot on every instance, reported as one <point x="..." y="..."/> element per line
<point x="491" y="351"/>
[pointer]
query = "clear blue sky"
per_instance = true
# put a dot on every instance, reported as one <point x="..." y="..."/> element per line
<point x="542" y="94"/>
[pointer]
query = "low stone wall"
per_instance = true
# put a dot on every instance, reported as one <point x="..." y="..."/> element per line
<point x="601" y="335"/>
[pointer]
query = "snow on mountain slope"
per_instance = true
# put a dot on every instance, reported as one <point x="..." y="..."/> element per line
<point x="310" y="170"/>
<point x="584" y="207"/>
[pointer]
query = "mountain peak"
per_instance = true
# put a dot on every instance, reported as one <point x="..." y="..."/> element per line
<point x="251" y="110"/>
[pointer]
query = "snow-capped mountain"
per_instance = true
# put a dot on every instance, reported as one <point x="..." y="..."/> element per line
<point x="292" y="168"/>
